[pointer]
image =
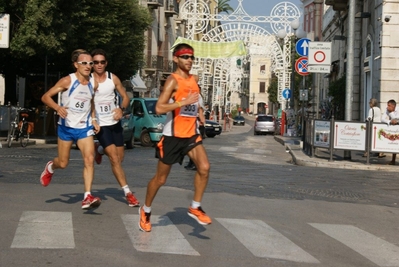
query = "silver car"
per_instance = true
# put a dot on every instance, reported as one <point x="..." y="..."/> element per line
<point x="264" y="124"/>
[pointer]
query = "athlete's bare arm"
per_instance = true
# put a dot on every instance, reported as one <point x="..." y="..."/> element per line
<point x="118" y="113"/>
<point x="163" y="105"/>
<point x="62" y="85"/>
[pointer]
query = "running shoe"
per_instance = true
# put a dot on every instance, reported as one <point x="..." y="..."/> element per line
<point x="91" y="202"/>
<point x="132" y="200"/>
<point x="144" y="223"/>
<point x="45" y="177"/>
<point x="98" y="157"/>
<point x="199" y="215"/>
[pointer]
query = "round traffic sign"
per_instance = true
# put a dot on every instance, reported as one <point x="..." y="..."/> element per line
<point x="319" y="56"/>
<point x="301" y="66"/>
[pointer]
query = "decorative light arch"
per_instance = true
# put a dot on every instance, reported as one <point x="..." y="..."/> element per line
<point x="239" y="25"/>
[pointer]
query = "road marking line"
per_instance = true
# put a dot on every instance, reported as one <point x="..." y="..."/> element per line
<point x="163" y="238"/>
<point x="45" y="230"/>
<point x="371" y="247"/>
<point x="225" y="148"/>
<point x="265" y="242"/>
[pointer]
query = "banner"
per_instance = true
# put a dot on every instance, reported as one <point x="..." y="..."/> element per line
<point x="4" y="30"/>
<point x="350" y="136"/>
<point x="214" y="50"/>
<point x="384" y="138"/>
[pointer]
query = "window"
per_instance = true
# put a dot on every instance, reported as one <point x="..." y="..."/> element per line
<point x="262" y="87"/>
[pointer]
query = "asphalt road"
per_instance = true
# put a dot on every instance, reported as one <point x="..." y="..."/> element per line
<point x="266" y="211"/>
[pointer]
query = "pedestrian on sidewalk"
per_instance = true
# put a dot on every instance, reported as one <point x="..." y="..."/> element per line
<point x="109" y="113"/>
<point x="391" y="117"/>
<point x="76" y="111"/>
<point x="181" y="136"/>
<point x="374" y="115"/>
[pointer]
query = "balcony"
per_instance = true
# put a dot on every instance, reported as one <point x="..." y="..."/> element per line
<point x="168" y="66"/>
<point x="153" y="63"/>
<point x="154" y="4"/>
<point x="172" y="8"/>
<point x="338" y="5"/>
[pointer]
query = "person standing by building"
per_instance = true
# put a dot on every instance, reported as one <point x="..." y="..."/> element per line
<point x="181" y="136"/>
<point x="391" y="117"/>
<point x="76" y="111"/>
<point x="109" y="112"/>
<point x="374" y="115"/>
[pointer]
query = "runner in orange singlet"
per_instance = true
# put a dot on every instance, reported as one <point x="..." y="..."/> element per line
<point x="179" y="99"/>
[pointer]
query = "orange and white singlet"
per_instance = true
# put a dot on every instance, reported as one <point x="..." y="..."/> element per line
<point x="182" y="122"/>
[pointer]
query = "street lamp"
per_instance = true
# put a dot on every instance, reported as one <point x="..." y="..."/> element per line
<point x="289" y="58"/>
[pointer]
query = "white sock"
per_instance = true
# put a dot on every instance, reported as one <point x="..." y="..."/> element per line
<point x="50" y="168"/>
<point x="86" y="194"/>
<point x="146" y="209"/>
<point x="126" y="189"/>
<point x="195" y="204"/>
<point x="100" y="150"/>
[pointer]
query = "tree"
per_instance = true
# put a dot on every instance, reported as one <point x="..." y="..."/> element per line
<point x="223" y="6"/>
<point x="42" y="29"/>
<point x="337" y="91"/>
<point x="272" y="90"/>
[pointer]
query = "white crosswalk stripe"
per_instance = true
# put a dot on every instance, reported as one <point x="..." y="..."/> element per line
<point x="54" y="230"/>
<point x="44" y="230"/>
<point x="371" y="247"/>
<point x="163" y="238"/>
<point x="263" y="241"/>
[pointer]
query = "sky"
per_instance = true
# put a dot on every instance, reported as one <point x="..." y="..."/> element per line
<point x="261" y="7"/>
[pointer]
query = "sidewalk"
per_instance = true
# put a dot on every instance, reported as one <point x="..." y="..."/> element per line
<point x="321" y="156"/>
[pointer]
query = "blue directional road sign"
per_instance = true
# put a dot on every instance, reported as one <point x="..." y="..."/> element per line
<point x="302" y="47"/>
<point x="286" y="93"/>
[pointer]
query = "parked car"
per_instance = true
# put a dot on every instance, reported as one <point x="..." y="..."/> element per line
<point x="147" y="125"/>
<point x="212" y="128"/>
<point x="239" y="120"/>
<point x="128" y="125"/>
<point x="264" y="124"/>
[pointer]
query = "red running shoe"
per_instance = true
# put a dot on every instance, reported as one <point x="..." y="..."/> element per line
<point x="45" y="177"/>
<point x="132" y="200"/>
<point x="91" y="202"/>
<point x="98" y="157"/>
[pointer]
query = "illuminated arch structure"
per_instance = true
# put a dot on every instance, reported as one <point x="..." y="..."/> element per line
<point x="225" y="75"/>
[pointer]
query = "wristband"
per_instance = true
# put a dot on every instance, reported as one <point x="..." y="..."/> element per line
<point x="178" y="103"/>
<point x="94" y="119"/>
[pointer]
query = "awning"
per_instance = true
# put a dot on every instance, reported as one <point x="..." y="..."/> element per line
<point x="138" y="84"/>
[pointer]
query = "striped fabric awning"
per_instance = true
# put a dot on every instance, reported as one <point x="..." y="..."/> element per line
<point x="214" y="50"/>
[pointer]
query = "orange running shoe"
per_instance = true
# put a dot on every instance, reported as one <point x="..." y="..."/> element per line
<point x="144" y="223"/>
<point x="132" y="200"/>
<point x="199" y="215"/>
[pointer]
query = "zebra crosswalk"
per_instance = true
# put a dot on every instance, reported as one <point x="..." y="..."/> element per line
<point x="55" y="230"/>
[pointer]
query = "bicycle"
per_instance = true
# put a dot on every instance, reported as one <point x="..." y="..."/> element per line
<point x="20" y="130"/>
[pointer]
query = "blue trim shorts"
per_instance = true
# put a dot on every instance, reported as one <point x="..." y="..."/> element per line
<point x="72" y="134"/>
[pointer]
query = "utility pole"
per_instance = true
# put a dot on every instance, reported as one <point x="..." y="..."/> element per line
<point x="350" y="66"/>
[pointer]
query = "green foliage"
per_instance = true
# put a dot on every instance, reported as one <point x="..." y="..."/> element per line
<point x="272" y="90"/>
<point x="55" y="28"/>
<point x="337" y="90"/>
<point x="223" y="6"/>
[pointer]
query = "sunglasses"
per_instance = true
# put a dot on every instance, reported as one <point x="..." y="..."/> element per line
<point x="84" y="63"/>
<point x="187" y="57"/>
<point x="102" y="62"/>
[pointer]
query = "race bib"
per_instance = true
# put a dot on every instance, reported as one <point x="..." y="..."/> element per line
<point x="105" y="108"/>
<point x="189" y="110"/>
<point x="79" y="105"/>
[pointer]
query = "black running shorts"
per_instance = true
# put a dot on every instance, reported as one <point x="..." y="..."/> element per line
<point x="171" y="150"/>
